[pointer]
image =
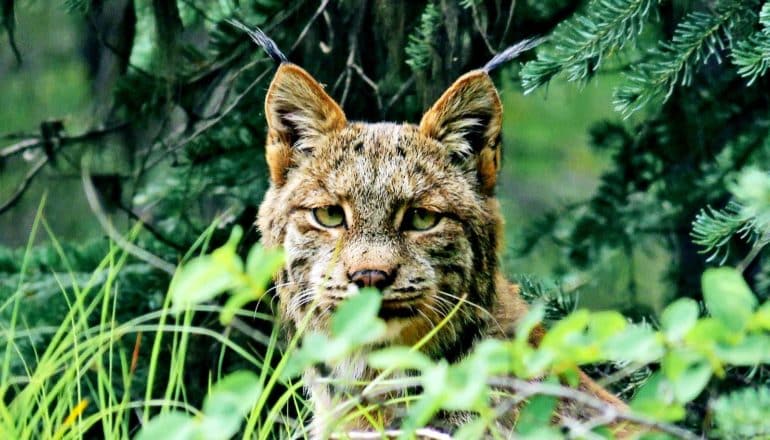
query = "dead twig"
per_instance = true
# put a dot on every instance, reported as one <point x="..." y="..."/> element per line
<point x="93" y="201"/>
<point x="310" y="22"/>
<point x="610" y="412"/>
<point x="399" y="93"/>
<point x="24" y="185"/>
<point x="426" y="433"/>
<point x="371" y="84"/>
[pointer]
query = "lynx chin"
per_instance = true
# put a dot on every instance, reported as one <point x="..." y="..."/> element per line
<point x="407" y="209"/>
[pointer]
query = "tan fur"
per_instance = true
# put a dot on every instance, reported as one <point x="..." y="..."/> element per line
<point x="376" y="173"/>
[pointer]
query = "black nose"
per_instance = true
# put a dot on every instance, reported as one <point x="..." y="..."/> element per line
<point x="371" y="278"/>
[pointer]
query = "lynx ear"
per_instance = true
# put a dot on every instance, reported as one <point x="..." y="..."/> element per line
<point x="298" y="112"/>
<point x="467" y="120"/>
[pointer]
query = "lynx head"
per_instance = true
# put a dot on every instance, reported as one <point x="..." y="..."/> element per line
<point x="406" y="209"/>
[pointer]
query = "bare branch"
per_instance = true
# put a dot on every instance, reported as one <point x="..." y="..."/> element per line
<point x="136" y="251"/>
<point x="391" y="433"/>
<point x="24" y="185"/>
<point x="399" y="93"/>
<point x="38" y="141"/>
<point x="532" y="388"/>
<point x="20" y="147"/>
<point x="508" y="22"/>
<point x="370" y="83"/>
<point x="310" y="22"/>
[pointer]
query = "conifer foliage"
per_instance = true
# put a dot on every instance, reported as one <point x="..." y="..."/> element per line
<point x="690" y="151"/>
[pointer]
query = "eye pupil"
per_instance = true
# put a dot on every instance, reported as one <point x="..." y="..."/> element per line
<point x="329" y="216"/>
<point x="418" y="219"/>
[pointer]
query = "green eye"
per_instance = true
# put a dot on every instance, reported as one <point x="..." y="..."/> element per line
<point x="329" y="216"/>
<point x="418" y="219"/>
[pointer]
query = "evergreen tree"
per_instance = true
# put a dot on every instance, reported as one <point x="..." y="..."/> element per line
<point x="689" y="158"/>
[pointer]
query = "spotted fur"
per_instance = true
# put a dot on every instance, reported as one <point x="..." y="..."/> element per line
<point x="376" y="171"/>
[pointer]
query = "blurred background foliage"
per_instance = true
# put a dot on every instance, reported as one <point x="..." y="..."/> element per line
<point x="548" y="160"/>
<point x="638" y="116"/>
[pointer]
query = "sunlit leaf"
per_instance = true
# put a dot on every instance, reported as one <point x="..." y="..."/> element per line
<point x="679" y="317"/>
<point x="728" y="298"/>
<point x="399" y="357"/>
<point x="173" y="425"/>
<point x="356" y="318"/>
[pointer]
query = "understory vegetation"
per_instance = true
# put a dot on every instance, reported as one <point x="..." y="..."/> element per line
<point x="162" y="324"/>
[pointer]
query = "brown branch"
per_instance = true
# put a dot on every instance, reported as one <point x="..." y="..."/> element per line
<point x="24" y="185"/>
<point x="508" y="22"/>
<point x="93" y="202"/>
<point x="38" y="141"/>
<point x="20" y="147"/>
<point x="477" y="25"/>
<point x="399" y="93"/>
<point x="425" y="433"/>
<point x="150" y="228"/>
<point x="370" y="83"/>
<point x="540" y="388"/>
<point x="310" y="22"/>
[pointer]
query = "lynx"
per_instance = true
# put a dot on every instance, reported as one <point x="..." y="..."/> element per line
<point x="407" y="209"/>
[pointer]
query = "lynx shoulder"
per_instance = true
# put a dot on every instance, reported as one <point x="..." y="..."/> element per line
<point x="407" y="209"/>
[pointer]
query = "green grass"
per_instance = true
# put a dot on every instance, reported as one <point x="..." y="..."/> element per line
<point x="91" y="375"/>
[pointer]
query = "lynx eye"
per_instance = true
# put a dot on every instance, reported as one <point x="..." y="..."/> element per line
<point x="419" y="219"/>
<point x="329" y="216"/>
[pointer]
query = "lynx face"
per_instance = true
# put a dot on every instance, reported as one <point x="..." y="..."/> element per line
<point x="405" y="209"/>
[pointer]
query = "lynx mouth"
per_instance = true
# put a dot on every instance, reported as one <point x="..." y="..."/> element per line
<point x="399" y="307"/>
<point x="394" y="306"/>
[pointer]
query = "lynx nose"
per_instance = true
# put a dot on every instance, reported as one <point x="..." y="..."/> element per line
<point x="371" y="278"/>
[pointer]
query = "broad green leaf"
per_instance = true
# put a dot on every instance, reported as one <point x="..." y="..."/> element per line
<point x="235" y="303"/>
<point x="434" y="379"/>
<point x="678" y="318"/>
<point x="761" y="318"/>
<point x="568" y="328"/>
<point x="237" y="392"/>
<point x="707" y="332"/>
<point x="543" y="433"/>
<point x="537" y="362"/>
<point x="657" y="436"/>
<point x="636" y="343"/>
<point x="173" y="425"/>
<point x="201" y="280"/>
<point x="228" y="402"/>
<point x="603" y="325"/>
<point x="491" y="357"/>
<point x="420" y="414"/>
<point x="466" y="389"/>
<point x="356" y="321"/>
<point x="656" y="399"/>
<point x="751" y="350"/>
<point x="207" y="276"/>
<point x="687" y="376"/>
<point x="473" y="430"/>
<point x="261" y="266"/>
<point x="399" y="357"/>
<point x="536" y="414"/>
<point x="728" y="298"/>
<point x="315" y="348"/>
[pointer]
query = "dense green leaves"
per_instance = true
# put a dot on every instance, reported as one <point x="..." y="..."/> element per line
<point x="205" y="277"/>
<point x="728" y="297"/>
<point x="582" y="42"/>
<point x="224" y="410"/>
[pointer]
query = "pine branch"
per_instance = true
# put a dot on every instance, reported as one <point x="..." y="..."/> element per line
<point x="8" y="21"/>
<point x="697" y="38"/>
<point x="752" y="56"/>
<point x="713" y="228"/>
<point x="419" y="50"/>
<point x="580" y="43"/>
<point x="743" y="414"/>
